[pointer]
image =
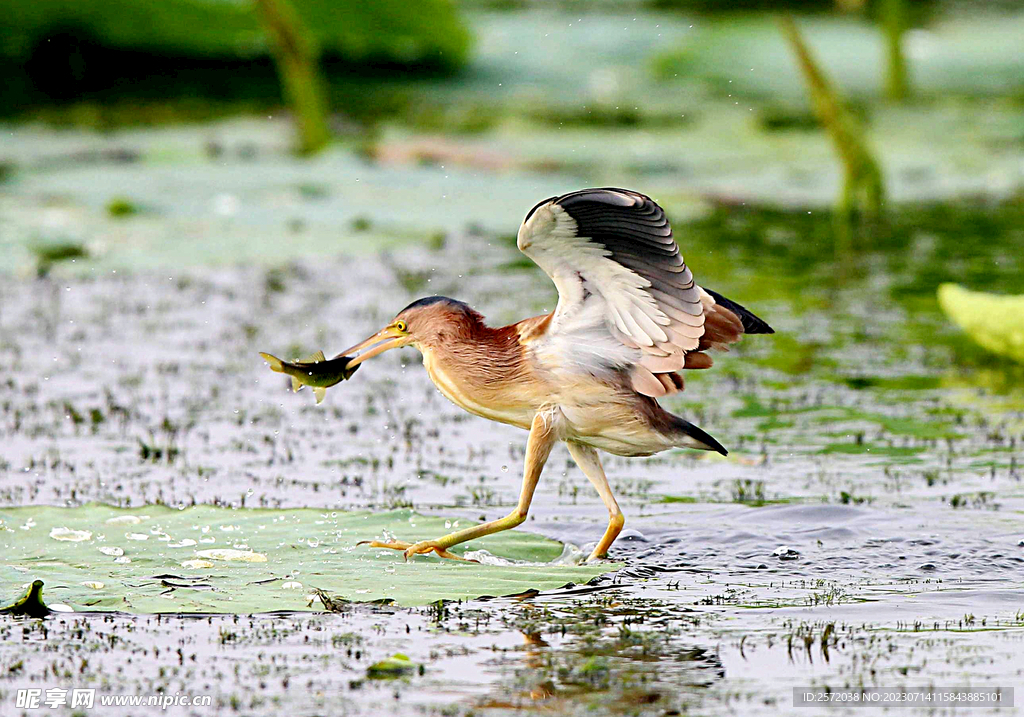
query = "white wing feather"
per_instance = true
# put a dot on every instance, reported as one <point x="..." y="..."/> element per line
<point x="626" y="300"/>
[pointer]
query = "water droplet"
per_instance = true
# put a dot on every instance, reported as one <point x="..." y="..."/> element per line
<point x="74" y="536"/>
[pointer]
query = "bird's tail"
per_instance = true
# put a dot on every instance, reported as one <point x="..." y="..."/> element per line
<point x="691" y="436"/>
<point x="752" y="324"/>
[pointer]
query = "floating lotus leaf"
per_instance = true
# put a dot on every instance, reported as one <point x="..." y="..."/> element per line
<point x="220" y="560"/>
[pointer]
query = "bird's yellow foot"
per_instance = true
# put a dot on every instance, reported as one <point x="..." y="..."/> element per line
<point x="393" y="544"/>
<point x="421" y="548"/>
<point x="432" y="546"/>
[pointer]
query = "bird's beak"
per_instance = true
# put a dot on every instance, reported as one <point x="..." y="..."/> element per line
<point x="386" y="338"/>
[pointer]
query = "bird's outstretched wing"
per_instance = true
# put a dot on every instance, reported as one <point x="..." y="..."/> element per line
<point x="626" y="299"/>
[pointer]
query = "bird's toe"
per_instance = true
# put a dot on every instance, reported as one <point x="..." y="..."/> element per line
<point x="393" y="544"/>
<point x="432" y="546"/>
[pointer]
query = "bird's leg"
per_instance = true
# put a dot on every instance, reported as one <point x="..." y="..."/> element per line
<point x="589" y="462"/>
<point x="538" y="448"/>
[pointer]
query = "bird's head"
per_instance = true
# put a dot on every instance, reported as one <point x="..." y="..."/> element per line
<point x="425" y="324"/>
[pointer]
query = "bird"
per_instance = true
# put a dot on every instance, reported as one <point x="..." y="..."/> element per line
<point x="630" y="319"/>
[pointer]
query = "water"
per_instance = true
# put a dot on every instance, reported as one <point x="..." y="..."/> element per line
<point x="873" y="481"/>
<point x="864" y="529"/>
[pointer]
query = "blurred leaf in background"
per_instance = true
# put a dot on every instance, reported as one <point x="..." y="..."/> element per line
<point x="57" y="51"/>
<point x="995" y="321"/>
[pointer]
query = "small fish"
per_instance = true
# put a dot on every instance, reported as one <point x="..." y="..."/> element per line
<point x="315" y="371"/>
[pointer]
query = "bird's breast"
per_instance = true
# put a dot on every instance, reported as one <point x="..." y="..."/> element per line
<point x="488" y="394"/>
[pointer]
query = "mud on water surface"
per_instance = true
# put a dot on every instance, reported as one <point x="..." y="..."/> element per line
<point x="864" y="530"/>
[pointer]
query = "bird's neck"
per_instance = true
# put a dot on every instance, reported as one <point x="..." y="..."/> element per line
<point x="482" y="370"/>
<point x="475" y="351"/>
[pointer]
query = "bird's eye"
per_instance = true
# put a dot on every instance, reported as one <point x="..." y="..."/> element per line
<point x="400" y="325"/>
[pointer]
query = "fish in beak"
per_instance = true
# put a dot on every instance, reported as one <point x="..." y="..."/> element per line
<point x="320" y="373"/>
<point x="315" y="371"/>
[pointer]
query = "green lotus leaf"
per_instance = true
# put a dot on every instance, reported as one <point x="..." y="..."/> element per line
<point x="206" y="559"/>
<point x="995" y="322"/>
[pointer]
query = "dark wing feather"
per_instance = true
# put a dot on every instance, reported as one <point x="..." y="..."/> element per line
<point x="751" y="324"/>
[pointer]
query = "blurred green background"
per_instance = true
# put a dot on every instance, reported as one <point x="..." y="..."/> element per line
<point x="199" y="132"/>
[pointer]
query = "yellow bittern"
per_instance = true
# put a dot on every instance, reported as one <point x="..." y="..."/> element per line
<point x="629" y="318"/>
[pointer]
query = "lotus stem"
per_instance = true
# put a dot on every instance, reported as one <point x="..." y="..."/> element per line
<point x="863" y="187"/>
<point x="297" y="59"/>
